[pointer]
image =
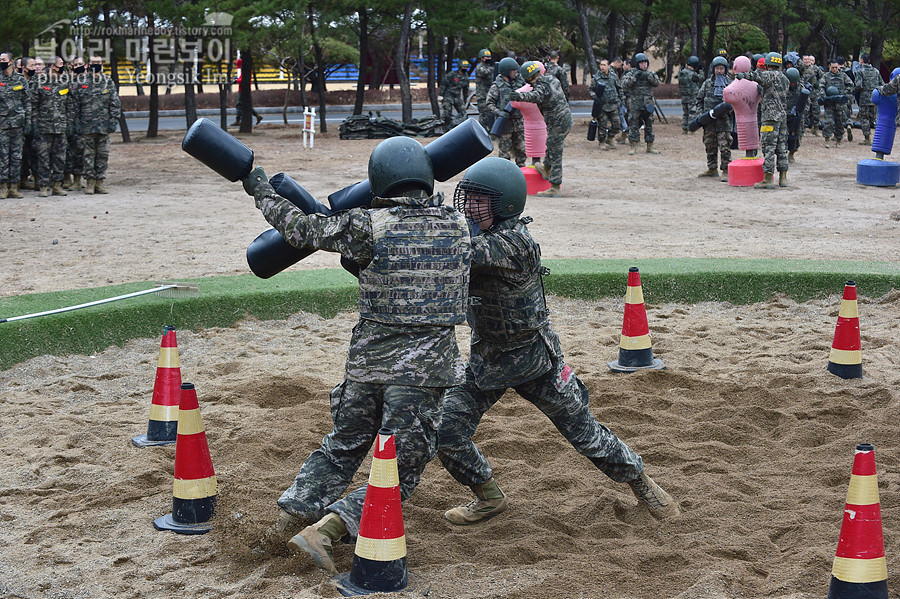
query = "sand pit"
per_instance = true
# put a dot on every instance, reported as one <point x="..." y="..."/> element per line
<point x="746" y="428"/>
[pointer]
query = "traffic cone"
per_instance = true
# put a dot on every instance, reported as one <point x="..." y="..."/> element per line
<point x="860" y="569"/>
<point x="194" y="488"/>
<point x="635" y="351"/>
<point x="379" y="560"/>
<point x="846" y="356"/>
<point x="163" y="424"/>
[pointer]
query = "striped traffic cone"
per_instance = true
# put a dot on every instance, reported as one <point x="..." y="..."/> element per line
<point x="860" y="569"/>
<point x="846" y="354"/>
<point x="194" y="488"/>
<point x="379" y="560"/>
<point x="163" y="424"/>
<point x="635" y="351"/>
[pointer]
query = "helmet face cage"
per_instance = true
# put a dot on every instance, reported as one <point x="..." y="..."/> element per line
<point x="468" y="196"/>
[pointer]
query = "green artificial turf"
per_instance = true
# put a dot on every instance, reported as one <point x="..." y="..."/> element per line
<point x="225" y="300"/>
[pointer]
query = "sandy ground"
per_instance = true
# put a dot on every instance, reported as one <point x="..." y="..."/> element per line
<point x="745" y="428"/>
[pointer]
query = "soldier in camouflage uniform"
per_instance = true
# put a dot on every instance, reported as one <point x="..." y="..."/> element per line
<point x="639" y="83"/>
<point x="608" y="119"/>
<point x="15" y="119"/>
<point x="484" y="78"/>
<point x="773" y="133"/>
<point x="812" y="77"/>
<point x="689" y="80"/>
<point x="53" y="116"/>
<point x="717" y="134"/>
<point x="835" y="113"/>
<point x="454" y="91"/>
<point x="553" y="69"/>
<point x="795" y="89"/>
<point x="97" y="115"/>
<point x="549" y="96"/>
<point x="74" y="141"/>
<point x="511" y="143"/>
<point x="514" y="345"/>
<point x="28" y="176"/>
<point x="414" y="257"/>
<point x="868" y="79"/>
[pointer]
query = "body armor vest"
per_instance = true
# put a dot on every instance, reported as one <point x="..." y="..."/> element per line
<point x="419" y="274"/>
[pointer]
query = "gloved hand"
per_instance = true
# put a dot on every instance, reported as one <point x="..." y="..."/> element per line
<point x="254" y="181"/>
<point x="515" y="96"/>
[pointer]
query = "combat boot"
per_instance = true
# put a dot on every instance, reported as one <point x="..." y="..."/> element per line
<point x="14" y="191"/>
<point x="766" y="183"/>
<point x="259" y="118"/>
<point x="654" y="497"/>
<point x="89" y="187"/>
<point x="553" y="192"/>
<point x="838" y="144"/>
<point x="867" y="140"/>
<point x="633" y="150"/>
<point x="684" y="131"/>
<point x="275" y="539"/>
<point x="849" y="132"/>
<point x="623" y="137"/>
<point x="99" y="186"/>
<point x="604" y="145"/>
<point x="724" y="177"/>
<point x="815" y="131"/>
<point x="782" y="179"/>
<point x="67" y="181"/>
<point x="610" y="144"/>
<point x="709" y="173"/>
<point x="790" y="158"/>
<point x="57" y="189"/>
<point x="78" y="182"/>
<point x="489" y="501"/>
<point x="542" y="169"/>
<point x="316" y="540"/>
<point x="4" y="190"/>
<point x="650" y="149"/>
<point x="827" y="142"/>
<point x="43" y="191"/>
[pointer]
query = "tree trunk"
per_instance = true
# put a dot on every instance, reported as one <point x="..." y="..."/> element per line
<point x="645" y="26"/>
<point x="612" y="34"/>
<point x="223" y="106"/>
<point x="440" y="63"/>
<point x="301" y="76"/>
<point x="244" y="91"/>
<point x="451" y="50"/>
<point x="114" y="73"/>
<point x="713" y="20"/>
<point x="320" y="71"/>
<point x="363" y="59"/>
<point x="153" y="120"/>
<point x="670" y="51"/>
<point x="190" y="101"/>
<point x="585" y="37"/>
<point x="430" y="73"/>
<point x="696" y="28"/>
<point x="402" y="61"/>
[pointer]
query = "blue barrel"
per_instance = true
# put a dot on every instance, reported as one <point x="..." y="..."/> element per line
<point x="877" y="173"/>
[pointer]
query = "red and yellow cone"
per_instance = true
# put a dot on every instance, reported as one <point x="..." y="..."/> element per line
<point x="635" y="349"/>
<point x="194" y="489"/>
<point x="163" y="424"/>
<point x="379" y="561"/>
<point x="845" y="359"/>
<point x="860" y="569"/>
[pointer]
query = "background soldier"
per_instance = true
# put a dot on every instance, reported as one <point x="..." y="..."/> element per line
<point x="454" y="91"/>
<point x="554" y="70"/>
<point x="608" y="121"/>
<point x="53" y="117"/>
<point x="15" y="119"/>
<point x="689" y="80"/>
<point x="790" y="105"/>
<point x="773" y="125"/>
<point x="239" y="106"/>
<point x="74" y="141"/>
<point x="835" y="112"/>
<point x="717" y="134"/>
<point x="868" y="79"/>
<point x="549" y="97"/>
<point x="514" y="345"/>
<point x="484" y="77"/>
<point x="511" y="143"/>
<point x="97" y="116"/>
<point x="812" y="77"/>
<point x="29" y="171"/>
<point x="403" y="352"/>
<point x="639" y="83"/>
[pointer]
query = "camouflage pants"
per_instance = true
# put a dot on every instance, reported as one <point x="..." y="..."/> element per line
<point x="686" y="108"/>
<point x="607" y="124"/>
<point x="561" y="396"/>
<point x="74" y="155"/>
<point x="718" y="143"/>
<point x="556" y="137"/>
<point x="50" y="156"/>
<point x="239" y="108"/>
<point x="28" y="165"/>
<point x="96" y="155"/>
<point x="814" y="112"/>
<point x="485" y="117"/>
<point x="511" y="144"/>
<point x="638" y="115"/>
<point x="358" y="410"/>
<point x="835" y="122"/>
<point x="773" y="143"/>
<point x="11" y="142"/>
<point x="448" y="105"/>
<point x="867" y="118"/>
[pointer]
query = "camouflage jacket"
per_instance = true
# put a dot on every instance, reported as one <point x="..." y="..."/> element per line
<point x="506" y="263"/>
<point x="774" y="86"/>
<point x="412" y="355"/>
<point x="793" y="94"/>
<point x="455" y="84"/>
<point x="891" y="87"/>
<point x="549" y="97"/>
<point x="612" y="94"/>
<point x="498" y="97"/>
<point x="707" y="99"/>
<point x="840" y="80"/>
<point x="15" y="101"/>
<point x="867" y="79"/>
<point x="813" y="76"/>
<point x="484" y="77"/>
<point x="639" y="86"/>
<point x="689" y="82"/>
<point x="51" y="106"/>
<point x="554" y="70"/>
<point x="97" y="105"/>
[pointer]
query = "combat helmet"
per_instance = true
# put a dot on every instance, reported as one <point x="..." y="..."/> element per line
<point x="693" y="61"/>
<point x="496" y="179"/>
<point x="464" y="65"/>
<point x="506" y="65"/>
<point x="398" y="165"/>
<point x="484" y="53"/>
<point x="530" y="70"/>
<point x="773" y="60"/>
<point x="832" y="91"/>
<point x="793" y="58"/>
<point x="639" y="58"/>
<point x="792" y="74"/>
<point x="719" y="60"/>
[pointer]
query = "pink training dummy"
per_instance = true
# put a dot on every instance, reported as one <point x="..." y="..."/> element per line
<point x="535" y="140"/>
<point x="744" y="97"/>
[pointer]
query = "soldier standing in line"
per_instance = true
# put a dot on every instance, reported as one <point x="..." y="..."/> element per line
<point x="454" y="91"/>
<point x="511" y="143"/>
<point x="773" y="125"/>
<point x="639" y="84"/>
<point x="868" y="79"/>
<point x="15" y="119"/>
<point x="835" y="112"/>
<point x="484" y="77"/>
<point x="554" y="70"/>
<point x="513" y="344"/>
<point x="608" y="121"/>
<point x="53" y="117"/>
<point x="97" y="115"/>
<point x="812" y="77"/>
<point x="717" y="134"/>
<point x="29" y="172"/>
<point x="74" y="141"/>
<point x="414" y="257"/>
<point x="549" y="97"/>
<point x="689" y="80"/>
